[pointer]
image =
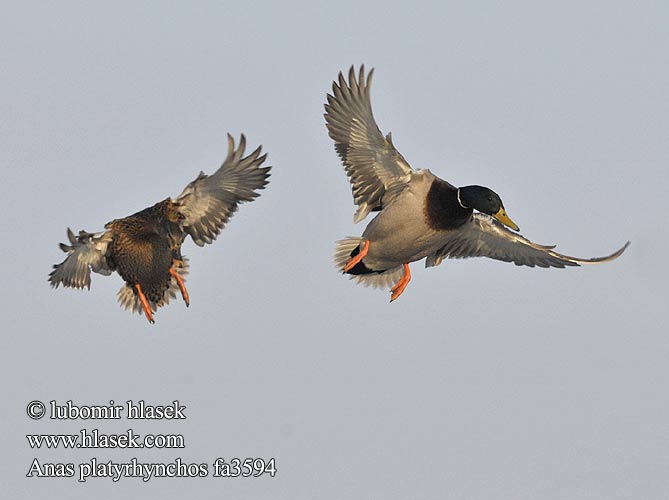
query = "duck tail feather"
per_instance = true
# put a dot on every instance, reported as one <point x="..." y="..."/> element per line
<point x="375" y="279"/>
<point x="343" y="250"/>
<point x="129" y="300"/>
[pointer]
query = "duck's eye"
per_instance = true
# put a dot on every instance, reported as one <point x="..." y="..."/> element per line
<point x="489" y="198"/>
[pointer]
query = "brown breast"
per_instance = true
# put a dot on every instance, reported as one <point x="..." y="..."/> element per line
<point x="142" y="250"/>
<point x="442" y="209"/>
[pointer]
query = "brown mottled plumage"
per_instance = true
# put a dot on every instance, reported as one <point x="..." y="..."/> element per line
<point x="142" y="248"/>
<point x="145" y="248"/>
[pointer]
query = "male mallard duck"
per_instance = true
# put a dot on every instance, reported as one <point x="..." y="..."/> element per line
<point x="145" y="248"/>
<point x="420" y="215"/>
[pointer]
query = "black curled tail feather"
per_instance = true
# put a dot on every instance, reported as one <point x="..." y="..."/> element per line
<point x="350" y="247"/>
<point x="360" y="267"/>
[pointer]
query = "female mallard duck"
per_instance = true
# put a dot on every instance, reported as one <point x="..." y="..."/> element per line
<point x="420" y="215"/>
<point x="145" y="248"/>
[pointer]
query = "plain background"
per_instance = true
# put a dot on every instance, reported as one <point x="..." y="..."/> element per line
<point x="484" y="380"/>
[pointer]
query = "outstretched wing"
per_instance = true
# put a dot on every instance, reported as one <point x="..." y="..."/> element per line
<point x="86" y="252"/>
<point x="483" y="236"/>
<point x="375" y="168"/>
<point x="209" y="201"/>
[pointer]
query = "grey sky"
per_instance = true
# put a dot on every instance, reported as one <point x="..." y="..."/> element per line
<point x="483" y="380"/>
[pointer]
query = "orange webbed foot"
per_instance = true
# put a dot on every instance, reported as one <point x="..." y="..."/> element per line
<point x="180" y="281"/>
<point x="145" y="304"/>
<point x="399" y="287"/>
<point x="355" y="260"/>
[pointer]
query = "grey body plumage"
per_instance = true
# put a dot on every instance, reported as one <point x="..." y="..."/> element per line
<point x="419" y="215"/>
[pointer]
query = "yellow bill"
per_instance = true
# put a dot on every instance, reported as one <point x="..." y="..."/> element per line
<point x="504" y="219"/>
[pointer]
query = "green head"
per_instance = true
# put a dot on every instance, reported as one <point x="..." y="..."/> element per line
<point x="486" y="201"/>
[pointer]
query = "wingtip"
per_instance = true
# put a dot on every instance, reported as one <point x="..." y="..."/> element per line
<point x="231" y="146"/>
<point x="623" y="248"/>
<point x="71" y="236"/>
<point x="608" y="258"/>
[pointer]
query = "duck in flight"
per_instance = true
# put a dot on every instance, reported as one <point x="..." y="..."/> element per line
<point x="419" y="215"/>
<point x="145" y="248"/>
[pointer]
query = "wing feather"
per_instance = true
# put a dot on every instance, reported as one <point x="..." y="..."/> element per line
<point x="209" y="201"/>
<point x="373" y="165"/>
<point x="86" y="252"/>
<point x="483" y="236"/>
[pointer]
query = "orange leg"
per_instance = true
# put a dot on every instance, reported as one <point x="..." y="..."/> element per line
<point x="182" y="286"/>
<point x="145" y="304"/>
<point x="361" y="255"/>
<point x="399" y="287"/>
